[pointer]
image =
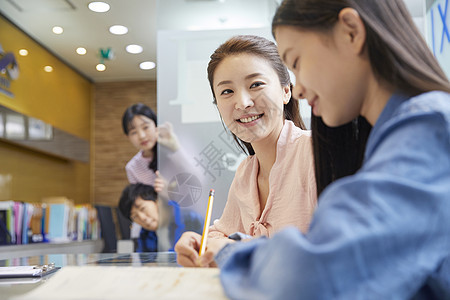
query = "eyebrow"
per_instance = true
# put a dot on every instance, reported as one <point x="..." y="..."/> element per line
<point x="246" y="77"/>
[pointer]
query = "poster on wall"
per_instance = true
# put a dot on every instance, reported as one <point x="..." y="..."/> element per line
<point x="2" y="125"/>
<point x="438" y="18"/>
<point x="15" y="126"/>
<point x="39" y="130"/>
<point x="9" y="70"/>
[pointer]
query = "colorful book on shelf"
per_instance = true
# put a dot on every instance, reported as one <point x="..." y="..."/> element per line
<point x="28" y="209"/>
<point x="36" y="223"/>
<point x="58" y="222"/>
<point x="5" y="235"/>
<point x="18" y="221"/>
<point x="44" y="221"/>
<point x="82" y="219"/>
<point x="8" y="219"/>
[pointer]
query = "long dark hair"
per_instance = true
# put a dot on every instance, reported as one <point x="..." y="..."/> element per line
<point x="338" y="151"/>
<point x="140" y="109"/>
<point x="259" y="46"/>
<point x="398" y="55"/>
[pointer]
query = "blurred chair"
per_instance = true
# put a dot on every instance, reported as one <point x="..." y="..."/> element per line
<point x="108" y="227"/>
<point x="125" y="244"/>
<point x="124" y="225"/>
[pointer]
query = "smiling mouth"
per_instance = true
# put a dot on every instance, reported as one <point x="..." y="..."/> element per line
<point x="250" y="119"/>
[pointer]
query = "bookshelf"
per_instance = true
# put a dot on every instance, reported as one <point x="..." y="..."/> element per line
<point x="55" y="226"/>
<point x="75" y="247"/>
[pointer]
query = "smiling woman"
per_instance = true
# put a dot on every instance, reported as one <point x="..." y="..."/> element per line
<point x="251" y="88"/>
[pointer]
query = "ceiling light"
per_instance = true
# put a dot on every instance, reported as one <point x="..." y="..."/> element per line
<point x="100" y="67"/>
<point x="134" y="49"/>
<point x="81" y="50"/>
<point x="147" y="65"/>
<point x="98" y="6"/>
<point x="48" y="69"/>
<point x="23" y="52"/>
<point x="118" y="29"/>
<point x="57" y="30"/>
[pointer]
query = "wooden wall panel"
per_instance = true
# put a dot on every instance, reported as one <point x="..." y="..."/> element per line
<point x="35" y="175"/>
<point x="111" y="149"/>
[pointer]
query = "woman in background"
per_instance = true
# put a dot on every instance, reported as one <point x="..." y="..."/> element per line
<point x="140" y="126"/>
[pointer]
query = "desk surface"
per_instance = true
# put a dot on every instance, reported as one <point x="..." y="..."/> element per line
<point x="114" y="259"/>
<point x="14" y="287"/>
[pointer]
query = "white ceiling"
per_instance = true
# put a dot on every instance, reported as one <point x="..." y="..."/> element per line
<point x="88" y="29"/>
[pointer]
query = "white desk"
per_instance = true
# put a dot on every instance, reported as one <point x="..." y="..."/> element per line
<point x="139" y="275"/>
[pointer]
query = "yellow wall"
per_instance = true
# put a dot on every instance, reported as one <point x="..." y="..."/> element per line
<point x="61" y="98"/>
<point x="35" y="176"/>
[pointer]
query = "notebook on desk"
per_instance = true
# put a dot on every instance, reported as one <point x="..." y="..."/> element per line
<point x="27" y="271"/>
<point x="114" y="282"/>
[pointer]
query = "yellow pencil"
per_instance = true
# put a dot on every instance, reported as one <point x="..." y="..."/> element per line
<point x="207" y="221"/>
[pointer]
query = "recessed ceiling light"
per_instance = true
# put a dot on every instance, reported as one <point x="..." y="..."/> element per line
<point x="100" y="67"/>
<point x="57" y="30"/>
<point x="23" y="52"/>
<point x="48" y="69"/>
<point x="134" y="49"/>
<point x="98" y="6"/>
<point x="147" y="65"/>
<point x="118" y="29"/>
<point x="81" y="50"/>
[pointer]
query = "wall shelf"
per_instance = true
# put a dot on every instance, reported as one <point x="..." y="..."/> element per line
<point x="87" y="246"/>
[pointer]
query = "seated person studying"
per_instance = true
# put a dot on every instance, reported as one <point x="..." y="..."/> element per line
<point x="384" y="231"/>
<point x="274" y="187"/>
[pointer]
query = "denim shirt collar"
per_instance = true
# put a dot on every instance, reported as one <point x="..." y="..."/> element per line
<point x="388" y="111"/>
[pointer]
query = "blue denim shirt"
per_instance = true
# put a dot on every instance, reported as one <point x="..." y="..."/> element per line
<point x="382" y="233"/>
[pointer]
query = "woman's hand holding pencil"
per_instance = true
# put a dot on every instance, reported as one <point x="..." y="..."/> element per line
<point x="188" y="246"/>
<point x="194" y="250"/>
<point x="213" y="247"/>
<point x="187" y="249"/>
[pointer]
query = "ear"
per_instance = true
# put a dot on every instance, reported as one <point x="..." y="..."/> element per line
<point x="286" y="94"/>
<point x="352" y="27"/>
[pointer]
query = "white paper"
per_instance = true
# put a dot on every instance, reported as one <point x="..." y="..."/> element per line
<point x="20" y="271"/>
<point x="113" y="282"/>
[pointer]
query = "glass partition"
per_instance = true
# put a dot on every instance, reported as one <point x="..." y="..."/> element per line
<point x="188" y="33"/>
